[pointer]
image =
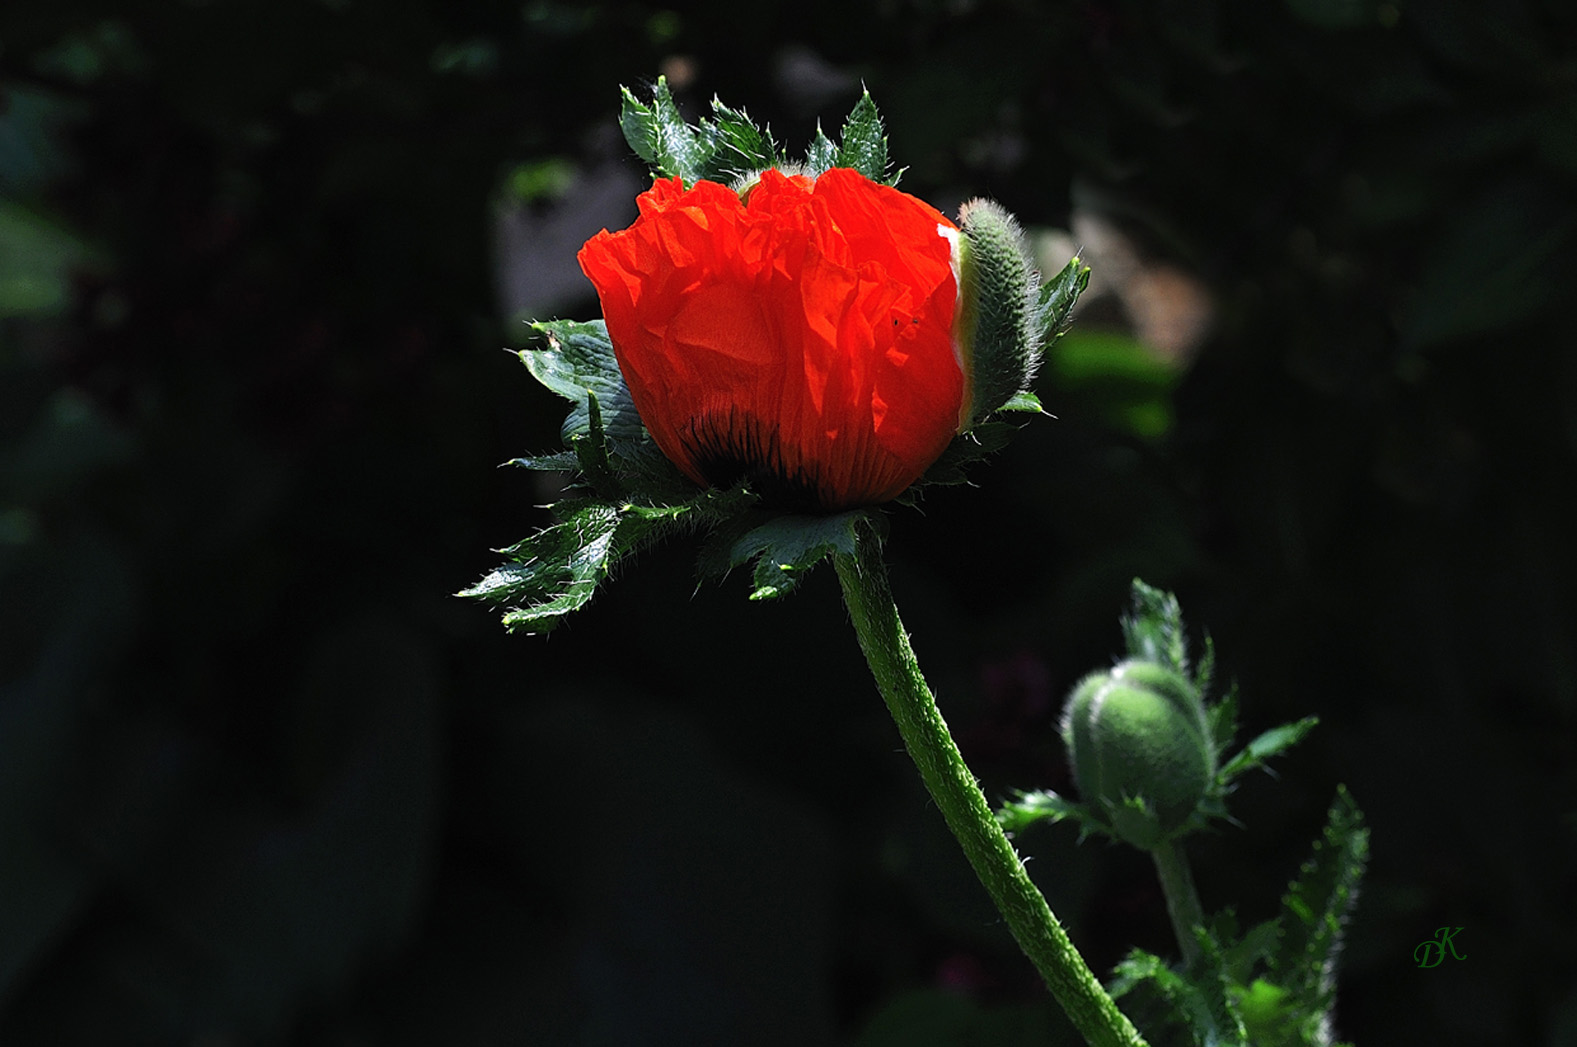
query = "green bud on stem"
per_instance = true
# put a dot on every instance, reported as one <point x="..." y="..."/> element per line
<point x="1142" y="752"/>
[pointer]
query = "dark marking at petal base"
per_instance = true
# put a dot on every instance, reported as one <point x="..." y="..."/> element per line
<point x="733" y="447"/>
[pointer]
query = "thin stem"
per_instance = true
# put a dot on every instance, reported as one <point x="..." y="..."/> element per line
<point x="1182" y="901"/>
<point x="963" y="805"/>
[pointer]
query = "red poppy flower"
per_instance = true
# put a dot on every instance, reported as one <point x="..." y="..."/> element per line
<point x="800" y="338"/>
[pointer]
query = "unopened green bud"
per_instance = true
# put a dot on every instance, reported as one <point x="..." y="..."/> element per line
<point x="1141" y="749"/>
<point x="1000" y="346"/>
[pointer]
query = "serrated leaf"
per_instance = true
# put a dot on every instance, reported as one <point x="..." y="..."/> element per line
<point x="1206" y="670"/>
<point x="1198" y="1008"/>
<point x="579" y="364"/>
<point x="659" y="135"/>
<point x="1057" y="298"/>
<point x="1274" y="741"/>
<point x="591" y="451"/>
<point x="1154" y="629"/>
<point x="1223" y="719"/>
<point x="1251" y="950"/>
<point x="786" y="547"/>
<point x="558" y="461"/>
<point x="822" y="156"/>
<point x="739" y="146"/>
<point x="554" y="572"/>
<point x="1209" y="976"/>
<point x="1268" y="1013"/>
<point x="1315" y="911"/>
<point x="557" y="570"/>
<point x="1043" y="805"/>
<point x="578" y="360"/>
<point x="864" y="144"/>
<point x="639" y="125"/>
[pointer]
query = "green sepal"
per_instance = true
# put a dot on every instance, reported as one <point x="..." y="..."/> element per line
<point x="996" y="301"/>
<point x="985" y="436"/>
<point x="864" y="141"/>
<point x="964" y="450"/>
<point x="785" y="548"/>
<point x="1056" y="301"/>
<point x="1024" y="401"/>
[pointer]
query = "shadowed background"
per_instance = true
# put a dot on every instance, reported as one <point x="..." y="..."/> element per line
<point x="264" y="781"/>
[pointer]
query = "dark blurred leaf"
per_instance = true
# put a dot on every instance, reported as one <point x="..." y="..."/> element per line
<point x="1495" y="264"/>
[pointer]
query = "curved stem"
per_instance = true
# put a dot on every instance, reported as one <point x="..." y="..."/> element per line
<point x="1182" y="901"/>
<point x="963" y="805"/>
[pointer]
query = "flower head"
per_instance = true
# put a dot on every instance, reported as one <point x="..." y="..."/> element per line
<point x="799" y="336"/>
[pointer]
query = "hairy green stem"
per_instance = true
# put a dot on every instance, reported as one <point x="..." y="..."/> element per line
<point x="964" y="806"/>
<point x="1182" y="901"/>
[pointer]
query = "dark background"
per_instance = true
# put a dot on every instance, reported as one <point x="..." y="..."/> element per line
<point x="264" y="781"/>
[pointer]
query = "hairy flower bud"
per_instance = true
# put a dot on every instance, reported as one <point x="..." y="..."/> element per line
<point x="1141" y="749"/>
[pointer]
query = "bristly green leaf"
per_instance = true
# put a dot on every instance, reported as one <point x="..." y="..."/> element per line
<point x="1272" y="742"/>
<point x="717" y="150"/>
<point x="557" y="570"/>
<point x="1205" y="671"/>
<point x="579" y="360"/>
<point x="1057" y="298"/>
<point x="1223" y="717"/>
<point x="1250" y="951"/>
<point x="822" y="156"/>
<point x="1204" y="1010"/>
<point x="639" y="125"/>
<point x="1211" y="978"/>
<point x="739" y="146"/>
<point x="1269" y="1014"/>
<point x="557" y="462"/>
<point x="786" y="547"/>
<point x="1314" y="915"/>
<point x="659" y="135"/>
<point x="579" y="364"/>
<point x="864" y="144"/>
<point x="1154" y="629"/>
<point x="591" y="451"/>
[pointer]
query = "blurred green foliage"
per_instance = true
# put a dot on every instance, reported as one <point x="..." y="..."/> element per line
<point x="262" y="781"/>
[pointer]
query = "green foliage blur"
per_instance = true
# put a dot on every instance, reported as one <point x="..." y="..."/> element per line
<point x="263" y="781"/>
